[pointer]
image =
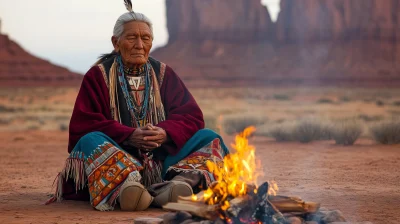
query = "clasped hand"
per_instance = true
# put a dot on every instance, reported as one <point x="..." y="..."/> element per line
<point x="147" y="138"/>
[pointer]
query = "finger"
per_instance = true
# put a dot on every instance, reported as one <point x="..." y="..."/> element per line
<point x="153" y="138"/>
<point x="145" y="128"/>
<point x="149" y="126"/>
<point x="150" y="133"/>
<point x="150" y="144"/>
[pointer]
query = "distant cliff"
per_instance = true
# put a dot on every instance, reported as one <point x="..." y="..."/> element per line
<point x="313" y="42"/>
<point x="316" y="20"/>
<point x="225" y="20"/>
<point x="19" y="68"/>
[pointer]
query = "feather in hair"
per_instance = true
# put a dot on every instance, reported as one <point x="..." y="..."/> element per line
<point x="128" y="5"/>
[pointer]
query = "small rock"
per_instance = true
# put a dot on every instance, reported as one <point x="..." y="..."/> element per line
<point x="323" y="209"/>
<point x="63" y="127"/>
<point x="169" y="218"/>
<point x="206" y="222"/>
<point x="351" y="223"/>
<point x="189" y="221"/>
<point x="294" y="220"/>
<point x="178" y="217"/>
<point x="148" y="221"/>
<point x="333" y="216"/>
<point x="219" y="221"/>
<point x="183" y="215"/>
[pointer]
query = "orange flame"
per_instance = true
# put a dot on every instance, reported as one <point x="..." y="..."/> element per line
<point x="273" y="188"/>
<point x="238" y="171"/>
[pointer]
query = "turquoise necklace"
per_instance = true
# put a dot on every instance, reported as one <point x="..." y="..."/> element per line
<point x="133" y="107"/>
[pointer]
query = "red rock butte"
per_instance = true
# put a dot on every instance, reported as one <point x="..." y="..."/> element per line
<point x="313" y="43"/>
<point x="19" y="68"/>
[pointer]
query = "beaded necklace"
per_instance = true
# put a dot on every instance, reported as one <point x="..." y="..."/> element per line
<point x="137" y="114"/>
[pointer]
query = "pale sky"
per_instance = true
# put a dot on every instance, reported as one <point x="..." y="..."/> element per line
<point x="73" y="33"/>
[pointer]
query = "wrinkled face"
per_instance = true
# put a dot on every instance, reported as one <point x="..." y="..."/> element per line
<point x="135" y="43"/>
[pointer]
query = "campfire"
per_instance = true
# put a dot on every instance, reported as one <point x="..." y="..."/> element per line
<point x="237" y="198"/>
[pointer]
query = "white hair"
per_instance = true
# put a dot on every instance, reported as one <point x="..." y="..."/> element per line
<point x="129" y="17"/>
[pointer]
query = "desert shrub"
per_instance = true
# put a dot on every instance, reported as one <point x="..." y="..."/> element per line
<point x="236" y="124"/>
<point x="368" y="100"/>
<point x="387" y="132"/>
<point x="369" y="118"/>
<point x="325" y="100"/>
<point x="5" y="109"/>
<point x="396" y="103"/>
<point x="394" y="112"/>
<point x="305" y="130"/>
<point x="308" y="130"/>
<point x="44" y="108"/>
<point x="263" y="130"/>
<point x="63" y="127"/>
<point x="33" y="127"/>
<point x="281" y="133"/>
<point x="4" y="121"/>
<point x="346" y="132"/>
<point x="280" y="121"/>
<point x="345" y="99"/>
<point x="281" y="97"/>
<point x="379" y="103"/>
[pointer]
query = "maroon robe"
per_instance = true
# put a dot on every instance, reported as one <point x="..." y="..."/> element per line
<point x="92" y="113"/>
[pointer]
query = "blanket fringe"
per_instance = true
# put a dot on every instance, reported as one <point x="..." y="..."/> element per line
<point x="75" y="169"/>
<point x="151" y="171"/>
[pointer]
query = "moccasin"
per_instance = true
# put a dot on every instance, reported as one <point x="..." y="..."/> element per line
<point x="134" y="197"/>
<point x="169" y="192"/>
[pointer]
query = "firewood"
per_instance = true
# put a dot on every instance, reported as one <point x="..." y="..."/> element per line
<point x="293" y="204"/>
<point x="237" y="204"/>
<point x="195" y="208"/>
<point x="148" y="220"/>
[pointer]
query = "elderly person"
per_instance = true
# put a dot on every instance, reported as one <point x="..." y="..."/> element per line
<point x="136" y="134"/>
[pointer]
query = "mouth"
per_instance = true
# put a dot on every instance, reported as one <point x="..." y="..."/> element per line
<point x="137" y="55"/>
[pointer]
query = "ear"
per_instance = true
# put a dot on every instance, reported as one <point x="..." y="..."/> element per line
<point x="115" y="43"/>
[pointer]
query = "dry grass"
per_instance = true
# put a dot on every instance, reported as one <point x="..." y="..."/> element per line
<point x="304" y="130"/>
<point x="281" y="133"/>
<point x="370" y="118"/>
<point x="325" y="100"/>
<point x="311" y="129"/>
<point x="387" y="132"/>
<point x="234" y="124"/>
<point x="346" y="132"/>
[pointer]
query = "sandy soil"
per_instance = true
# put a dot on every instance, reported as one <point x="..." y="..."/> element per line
<point x="363" y="181"/>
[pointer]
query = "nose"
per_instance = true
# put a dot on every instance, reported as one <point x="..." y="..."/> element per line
<point x="138" y="43"/>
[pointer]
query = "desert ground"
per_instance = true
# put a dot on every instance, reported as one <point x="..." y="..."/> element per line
<point x="362" y="180"/>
